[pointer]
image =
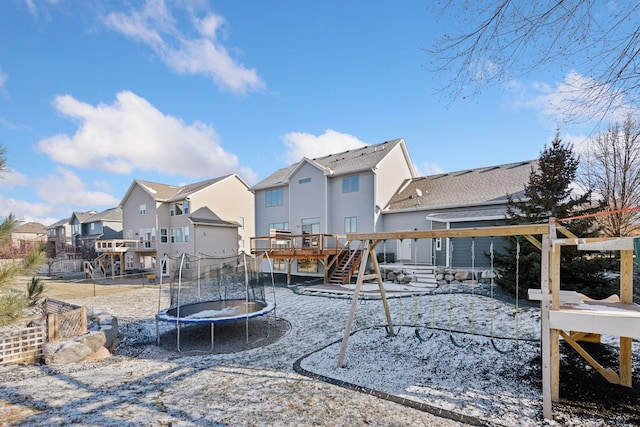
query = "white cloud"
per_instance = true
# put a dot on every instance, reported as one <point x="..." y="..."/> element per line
<point x="576" y="99"/>
<point x="131" y="134"/>
<point x="11" y="178"/>
<point x="300" y="144"/>
<point x="26" y="211"/>
<point x="426" y="169"/>
<point x="3" y="80"/>
<point x="66" y="188"/>
<point x="154" y="26"/>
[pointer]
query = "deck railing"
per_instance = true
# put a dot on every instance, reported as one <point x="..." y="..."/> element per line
<point x="301" y="244"/>
<point x="123" y="245"/>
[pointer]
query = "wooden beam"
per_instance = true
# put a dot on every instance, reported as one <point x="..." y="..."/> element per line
<point x="503" y="230"/>
<point x="626" y="352"/>
<point x="626" y="297"/>
<point x="608" y="373"/>
<point x="535" y="242"/>
<point x="626" y="277"/>
<point x="354" y="305"/>
<point x="566" y="232"/>
<point x="383" y="293"/>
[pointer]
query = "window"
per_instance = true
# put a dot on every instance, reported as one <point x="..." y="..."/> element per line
<point x="279" y="264"/>
<point x="307" y="266"/>
<point x="350" y="224"/>
<point x="304" y="180"/>
<point x="164" y="235"/>
<point x="180" y="235"/>
<point x="274" y="197"/>
<point x="278" y="226"/>
<point x="128" y="261"/>
<point x="350" y="184"/>
<point x="92" y="227"/>
<point x="179" y="208"/>
<point x="143" y="209"/>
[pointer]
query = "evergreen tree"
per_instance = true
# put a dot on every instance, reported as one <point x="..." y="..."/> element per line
<point x="549" y="195"/>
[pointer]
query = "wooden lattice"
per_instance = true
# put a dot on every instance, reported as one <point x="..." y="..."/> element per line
<point x="67" y="324"/>
<point x="22" y="346"/>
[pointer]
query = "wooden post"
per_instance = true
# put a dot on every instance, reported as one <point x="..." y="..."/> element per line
<point x="83" y="320"/>
<point x="52" y="327"/>
<point x="545" y="331"/>
<point x="383" y="292"/>
<point x="626" y="297"/>
<point x="554" y="282"/>
<point x="354" y="304"/>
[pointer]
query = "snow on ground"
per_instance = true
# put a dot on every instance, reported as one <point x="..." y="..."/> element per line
<point x="147" y="385"/>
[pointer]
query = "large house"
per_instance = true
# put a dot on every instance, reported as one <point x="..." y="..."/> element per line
<point x="208" y="218"/>
<point x="375" y="188"/>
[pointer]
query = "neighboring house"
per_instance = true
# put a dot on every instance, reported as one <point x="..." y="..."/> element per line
<point x="105" y="225"/>
<point x="77" y="220"/>
<point x="59" y="236"/>
<point x="211" y="218"/>
<point x="335" y="194"/>
<point x="468" y="198"/>
<point x="27" y="235"/>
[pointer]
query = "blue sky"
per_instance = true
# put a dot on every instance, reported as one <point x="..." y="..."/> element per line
<point x="96" y="94"/>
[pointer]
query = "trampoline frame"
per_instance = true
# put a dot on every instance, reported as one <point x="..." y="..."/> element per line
<point x="178" y="319"/>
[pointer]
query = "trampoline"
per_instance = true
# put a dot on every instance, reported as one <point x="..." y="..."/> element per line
<point x="215" y="311"/>
<point x="229" y="289"/>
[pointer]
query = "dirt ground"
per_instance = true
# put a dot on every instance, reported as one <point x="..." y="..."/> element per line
<point x="64" y="289"/>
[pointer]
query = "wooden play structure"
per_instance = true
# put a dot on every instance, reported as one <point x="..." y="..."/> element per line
<point x="563" y="314"/>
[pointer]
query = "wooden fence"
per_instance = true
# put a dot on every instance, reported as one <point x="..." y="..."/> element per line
<point x="22" y="346"/>
<point x="26" y="345"/>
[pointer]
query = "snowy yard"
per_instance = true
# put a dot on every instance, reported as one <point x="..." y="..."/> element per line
<point x="455" y="370"/>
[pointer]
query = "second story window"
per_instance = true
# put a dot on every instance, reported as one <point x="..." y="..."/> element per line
<point x="304" y="180"/>
<point x="350" y="184"/>
<point x="143" y="209"/>
<point x="164" y="233"/>
<point x="179" y="208"/>
<point x="274" y="197"/>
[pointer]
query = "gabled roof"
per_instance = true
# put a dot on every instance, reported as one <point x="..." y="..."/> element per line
<point x="346" y="162"/>
<point x="31" y="228"/>
<point x="109" y="215"/>
<point x="170" y="193"/>
<point x="82" y="216"/>
<point x="483" y="186"/>
<point x="60" y="223"/>
<point x="205" y="216"/>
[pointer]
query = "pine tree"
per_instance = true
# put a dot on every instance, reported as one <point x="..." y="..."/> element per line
<point x="549" y="195"/>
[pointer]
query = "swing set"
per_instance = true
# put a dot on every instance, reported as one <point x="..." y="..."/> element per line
<point x="492" y="285"/>
<point x="561" y="311"/>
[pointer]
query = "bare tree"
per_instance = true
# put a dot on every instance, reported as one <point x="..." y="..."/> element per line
<point x="612" y="168"/>
<point x="498" y="40"/>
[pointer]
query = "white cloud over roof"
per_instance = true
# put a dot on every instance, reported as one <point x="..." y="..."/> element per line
<point x="301" y="144"/>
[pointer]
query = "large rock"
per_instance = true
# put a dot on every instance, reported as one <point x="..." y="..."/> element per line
<point x="102" y="353"/>
<point x="109" y="326"/>
<point x="94" y="340"/>
<point x="69" y="352"/>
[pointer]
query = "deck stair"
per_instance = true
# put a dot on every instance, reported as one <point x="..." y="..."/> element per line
<point x="425" y="275"/>
<point x="348" y="263"/>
